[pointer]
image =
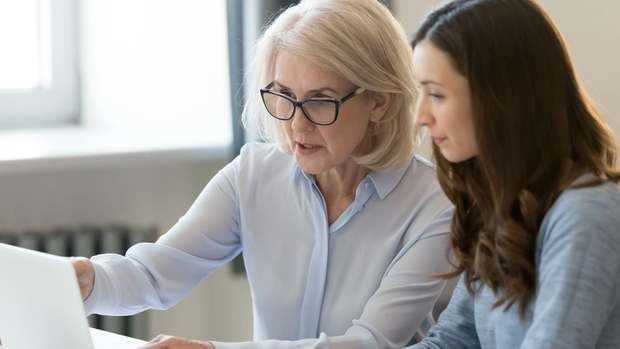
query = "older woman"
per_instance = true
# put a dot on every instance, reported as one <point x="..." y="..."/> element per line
<point x="342" y="229"/>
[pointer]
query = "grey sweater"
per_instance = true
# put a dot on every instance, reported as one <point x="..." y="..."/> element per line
<point x="578" y="285"/>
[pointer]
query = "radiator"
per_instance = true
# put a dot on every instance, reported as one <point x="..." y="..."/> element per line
<point x="87" y="241"/>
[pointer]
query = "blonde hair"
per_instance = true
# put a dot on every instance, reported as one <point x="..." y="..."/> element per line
<point x="362" y="42"/>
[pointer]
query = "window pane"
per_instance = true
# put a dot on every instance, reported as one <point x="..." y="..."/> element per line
<point x="19" y="39"/>
<point x="156" y="65"/>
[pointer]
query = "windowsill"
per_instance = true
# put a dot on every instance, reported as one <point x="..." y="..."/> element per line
<point x="78" y="147"/>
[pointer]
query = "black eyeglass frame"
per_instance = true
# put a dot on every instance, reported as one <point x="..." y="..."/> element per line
<point x="337" y="102"/>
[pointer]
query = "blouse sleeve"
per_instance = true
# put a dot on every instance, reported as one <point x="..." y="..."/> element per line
<point x="158" y="275"/>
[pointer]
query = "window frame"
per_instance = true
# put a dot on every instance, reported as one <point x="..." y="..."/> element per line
<point x="57" y="101"/>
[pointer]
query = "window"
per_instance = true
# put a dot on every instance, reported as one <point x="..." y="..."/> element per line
<point x="20" y="38"/>
<point x="143" y="65"/>
<point x="38" y="63"/>
<point x="156" y="65"/>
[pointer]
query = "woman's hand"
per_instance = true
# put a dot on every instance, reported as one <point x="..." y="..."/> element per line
<point x="170" y="342"/>
<point x="85" y="275"/>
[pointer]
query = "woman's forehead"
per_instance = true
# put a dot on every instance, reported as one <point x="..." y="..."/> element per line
<point x="296" y="72"/>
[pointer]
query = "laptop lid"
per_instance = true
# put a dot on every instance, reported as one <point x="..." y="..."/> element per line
<point x="40" y="303"/>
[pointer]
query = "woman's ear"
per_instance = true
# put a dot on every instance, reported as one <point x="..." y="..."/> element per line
<point x="379" y="103"/>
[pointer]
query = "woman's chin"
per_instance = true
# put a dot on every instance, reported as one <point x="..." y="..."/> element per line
<point x="310" y="168"/>
<point x="456" y="158"/>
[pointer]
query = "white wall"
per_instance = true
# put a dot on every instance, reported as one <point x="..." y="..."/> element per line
<point x="593" y="34"/>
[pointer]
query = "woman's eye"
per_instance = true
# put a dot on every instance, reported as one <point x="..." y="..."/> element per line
<point x="436" y="96"/>
<point x="322" y="96"/>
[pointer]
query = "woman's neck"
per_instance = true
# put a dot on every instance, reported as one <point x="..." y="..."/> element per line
<point x="342" y="180"/>
<point x="338" y="186"/>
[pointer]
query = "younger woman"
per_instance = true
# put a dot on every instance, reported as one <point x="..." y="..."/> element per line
<point x="529" y="164"/>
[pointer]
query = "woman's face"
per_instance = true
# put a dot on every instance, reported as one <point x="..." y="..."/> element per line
<point x="444" y="103"/>
<point x="320" y="148"/>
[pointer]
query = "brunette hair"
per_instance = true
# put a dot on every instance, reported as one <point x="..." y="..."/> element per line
<point x="536" y="128"/>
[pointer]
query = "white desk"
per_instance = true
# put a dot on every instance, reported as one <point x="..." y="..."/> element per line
<point x="107" y="340"/>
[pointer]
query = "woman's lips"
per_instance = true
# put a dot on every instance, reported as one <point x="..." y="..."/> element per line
<point x="438" y="140"/>
<point x="306" y="148"/>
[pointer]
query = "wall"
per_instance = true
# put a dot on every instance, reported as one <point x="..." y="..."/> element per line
<point x="593" y="35"/>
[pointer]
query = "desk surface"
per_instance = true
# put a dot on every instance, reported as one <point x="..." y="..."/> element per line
<point x="107" y="340"/>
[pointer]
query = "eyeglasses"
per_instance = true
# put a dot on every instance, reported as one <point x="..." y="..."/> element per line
<point x="320" y="111"/>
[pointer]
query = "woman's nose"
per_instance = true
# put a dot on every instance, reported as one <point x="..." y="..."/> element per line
<point x="300" y="122"/>
<point x="423" y="117"/>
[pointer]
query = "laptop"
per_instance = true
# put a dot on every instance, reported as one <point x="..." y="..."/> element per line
<point x="41" y="305"/>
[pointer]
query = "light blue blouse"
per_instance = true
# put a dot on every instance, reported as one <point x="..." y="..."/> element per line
<point x="365" y="281"/>
<point x="577" y="302"/>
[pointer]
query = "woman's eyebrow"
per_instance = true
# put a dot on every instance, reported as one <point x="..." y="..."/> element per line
<point x="430" y="82"/>
<point x="275" y="83"/>
<point x="323" y="89"/>
<point x="315" y="90"/>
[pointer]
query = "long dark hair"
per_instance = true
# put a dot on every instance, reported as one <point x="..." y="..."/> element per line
<point x="536" y="129"/>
